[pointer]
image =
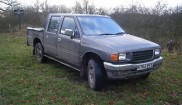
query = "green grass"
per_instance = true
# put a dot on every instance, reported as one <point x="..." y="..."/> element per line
<point x="24" y="81"/>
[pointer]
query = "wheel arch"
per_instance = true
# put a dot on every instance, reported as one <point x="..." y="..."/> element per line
<point x="85" y="59"/>
<point x="89" y="55"/>
<point x="35" y="41"/>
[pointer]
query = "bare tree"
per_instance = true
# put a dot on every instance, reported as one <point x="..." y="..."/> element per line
<point x="85" y="5"/>
<point x="78" y="8"/>
<point x="91" y="9"/>
<point x="160" y="8"/>
<point x="64" y="9"/>
<point x="44" y="8"/>
<point x="6" y="5"/>
<point x="37" y="6"/>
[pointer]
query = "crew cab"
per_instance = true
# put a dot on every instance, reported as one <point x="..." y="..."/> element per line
<point x="96" y="46"/>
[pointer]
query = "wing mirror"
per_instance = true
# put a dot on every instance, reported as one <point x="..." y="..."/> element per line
<point x="69" y="32"/>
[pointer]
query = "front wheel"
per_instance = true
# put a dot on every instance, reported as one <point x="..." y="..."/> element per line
<point x="95" y="75"/>
<point x="39" y="53"/>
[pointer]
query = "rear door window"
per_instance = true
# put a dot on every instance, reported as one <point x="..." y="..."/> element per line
<point x="53" y="24"/>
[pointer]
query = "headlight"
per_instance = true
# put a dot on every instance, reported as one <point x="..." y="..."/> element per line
<point x="157" y="52"/>
<point x="122" y="56"/>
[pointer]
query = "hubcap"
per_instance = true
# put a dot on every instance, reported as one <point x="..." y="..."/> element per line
<point x="91" y="75"/>
<point x="39" y="52"/>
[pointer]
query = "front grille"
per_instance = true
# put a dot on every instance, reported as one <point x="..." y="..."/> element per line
<point x="142" y="56"/>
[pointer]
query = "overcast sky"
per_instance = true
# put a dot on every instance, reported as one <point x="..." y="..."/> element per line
<point x="106" y="3"/>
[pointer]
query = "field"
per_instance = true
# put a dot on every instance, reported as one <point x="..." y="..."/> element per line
<point x="23" y="81"/>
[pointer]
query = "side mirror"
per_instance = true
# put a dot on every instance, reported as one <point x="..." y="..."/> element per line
<point x="69" y="32"/>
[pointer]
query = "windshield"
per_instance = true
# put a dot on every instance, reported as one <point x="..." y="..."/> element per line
<point x="95" y="25"/>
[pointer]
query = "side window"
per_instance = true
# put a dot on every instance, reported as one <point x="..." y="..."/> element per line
<point x="68" y="23"/>
<point x="53" y="24"/>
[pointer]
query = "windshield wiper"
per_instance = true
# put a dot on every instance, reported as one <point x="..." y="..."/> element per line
<point x="119" y="33"/>
<point x="113" y="34"/>
<point x="106" y="34"/>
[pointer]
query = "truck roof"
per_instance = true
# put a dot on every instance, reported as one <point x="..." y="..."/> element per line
<point x="68" y="14"/>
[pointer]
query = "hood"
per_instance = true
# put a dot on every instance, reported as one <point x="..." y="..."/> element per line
<point x="125" y="42"/>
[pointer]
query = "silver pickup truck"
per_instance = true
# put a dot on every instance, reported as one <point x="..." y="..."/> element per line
<point x="96" y="46"/>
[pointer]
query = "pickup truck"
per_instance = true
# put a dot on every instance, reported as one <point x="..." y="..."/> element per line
<point x="96" y="46"/>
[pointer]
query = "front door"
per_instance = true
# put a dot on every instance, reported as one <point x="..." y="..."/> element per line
<point x="50" y="37"/>
<point x="67" y="46"/>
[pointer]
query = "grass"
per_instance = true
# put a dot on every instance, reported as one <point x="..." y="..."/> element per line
<point x="23" y="81"/>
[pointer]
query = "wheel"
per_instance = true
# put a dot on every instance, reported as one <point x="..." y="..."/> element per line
<point x="145" y="76"/>
<point x="95" y="75"/>
<point x="39" y="53"/>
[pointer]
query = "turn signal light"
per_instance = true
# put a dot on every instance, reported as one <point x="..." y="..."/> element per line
<point x="114" y="57"/>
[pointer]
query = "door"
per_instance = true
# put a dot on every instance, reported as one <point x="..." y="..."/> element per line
<point x="67" y="46"/>
<point x="50" y="36"/>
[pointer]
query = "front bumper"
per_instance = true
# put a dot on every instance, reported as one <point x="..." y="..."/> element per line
<point x="119" y="71"/>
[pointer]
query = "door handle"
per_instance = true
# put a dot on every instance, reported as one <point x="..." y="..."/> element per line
<point x="59" y="39"/>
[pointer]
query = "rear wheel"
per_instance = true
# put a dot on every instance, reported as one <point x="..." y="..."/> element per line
<point x="95" y="75"/>
<point x="39" y="53"/>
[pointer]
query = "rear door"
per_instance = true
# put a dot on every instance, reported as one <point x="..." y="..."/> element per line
<point x="50" y="36"/>
<point x="68" y="47"/>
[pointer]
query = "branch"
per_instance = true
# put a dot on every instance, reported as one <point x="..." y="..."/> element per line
<point x="2" y="10"/>
<point x="10" y="4"/>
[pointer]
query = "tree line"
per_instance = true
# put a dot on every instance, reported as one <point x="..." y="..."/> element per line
<point x="160" y="24"/>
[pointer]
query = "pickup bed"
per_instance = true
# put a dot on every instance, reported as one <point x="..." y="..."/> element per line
<point x="94" y="45"/>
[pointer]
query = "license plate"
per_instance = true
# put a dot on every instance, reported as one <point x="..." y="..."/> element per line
<point x="145" y="66"/>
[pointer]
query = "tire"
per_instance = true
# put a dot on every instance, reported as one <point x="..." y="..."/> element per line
<point x="95" y="75"/>
<point x="39" y="53"/>
<point x="145" y="76"/>
<point x="83" y="72"/>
